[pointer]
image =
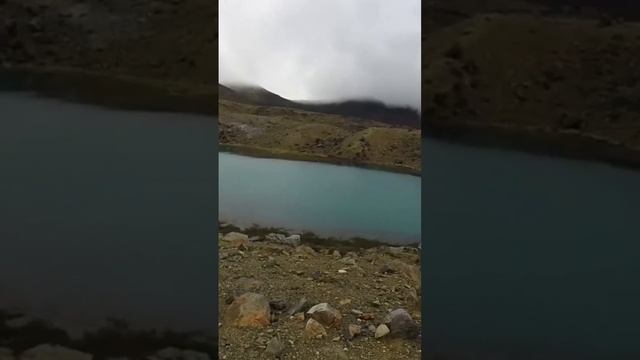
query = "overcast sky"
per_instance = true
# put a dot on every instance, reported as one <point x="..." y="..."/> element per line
<point x="323" y="49"/>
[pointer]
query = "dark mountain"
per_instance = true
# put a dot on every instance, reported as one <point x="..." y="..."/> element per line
<point x="366" y="109"/>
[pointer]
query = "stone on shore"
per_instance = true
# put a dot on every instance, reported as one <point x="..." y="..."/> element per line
<point x="249" y="309"/>
<point x="326" y="315"/>
<point x="381" y="330"/>
<point x="401" y="324"/>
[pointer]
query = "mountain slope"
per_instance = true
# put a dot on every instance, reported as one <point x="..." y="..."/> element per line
<point x="364" y="109"/>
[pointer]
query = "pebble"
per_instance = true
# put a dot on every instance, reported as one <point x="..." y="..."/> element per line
<point x="381" y="330"/>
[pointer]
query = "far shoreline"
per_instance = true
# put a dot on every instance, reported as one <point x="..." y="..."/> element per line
<point x="311" y="238"/>
<point x="259" y="152"/>
<point x="567" y="144"/>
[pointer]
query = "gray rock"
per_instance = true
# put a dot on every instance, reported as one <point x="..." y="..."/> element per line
<point x="54" y="352"/>
<point x="381" y="330"/>
<point x="299" y="307"/>
<point x="326" y="315"/>
<point x="275" y="237"/>
<point x="275" y="347"/>
<point x="401" y="324"/>
<point x="293" y="240"/>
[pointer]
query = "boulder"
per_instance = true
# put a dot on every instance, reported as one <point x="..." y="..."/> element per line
<point x="401" y="324"/>
<point x="249" y="309"/>
<point x="293" y="240"/>
<point x="326" y="315"/>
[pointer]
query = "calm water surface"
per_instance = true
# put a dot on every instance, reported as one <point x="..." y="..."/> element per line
<point x="330" y="200"/>
<point x="107" y="213"/>
<point x="530" y="257"/>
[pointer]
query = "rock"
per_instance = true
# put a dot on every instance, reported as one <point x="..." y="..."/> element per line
<point x="401" y="324"/>
<point x="356" y="312"/>
<point x="249" y="309"/>
<point x="386" y="269"/>
<point x="411" y="272"/>
<point x="293" y="240"/>
<point x="278" y="304"/>
<point x="314" y="329"/>
<point x="275" y="237"/>
<point x="172" y="353"/>
<point x="300" y="306"/>
<point x="298" y="316"/>
<point x="6" y="354"/>
<point x="305" y="250"/>
<point x="235" y="236"/>
<point x="348" y="261"/>
<point x="381" y="330"/>
<point x="275" y="347"/>
<point x="54" y="352"/>
<point x="372" y="329"/>
<point x="336" y="254"/>
<point x="326" y="315"/>
<point x="352" y="331"/>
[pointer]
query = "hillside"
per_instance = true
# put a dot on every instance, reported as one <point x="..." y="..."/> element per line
<point x="570" y="84"/>
<point x="286" y="132"/>
<point x="168" y="44"/>
<point x="365" y="109"/>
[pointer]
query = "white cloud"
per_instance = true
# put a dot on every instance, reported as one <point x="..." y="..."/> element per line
<point x="323" y="50"/>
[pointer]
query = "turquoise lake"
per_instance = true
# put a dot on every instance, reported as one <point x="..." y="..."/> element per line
<point x="107" y="213"/>
<point x="329" y="200"/>
<point x="529" y="257"/>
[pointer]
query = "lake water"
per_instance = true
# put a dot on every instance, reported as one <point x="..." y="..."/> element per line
<point x="529" y="257"/>
<point x="330" y="200"/>
<point x="107" y="213"/>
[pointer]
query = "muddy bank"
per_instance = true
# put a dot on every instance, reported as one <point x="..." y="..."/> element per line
<point x="290" y="296"/>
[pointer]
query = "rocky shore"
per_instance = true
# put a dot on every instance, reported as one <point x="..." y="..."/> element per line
<point x="289" y="296"/>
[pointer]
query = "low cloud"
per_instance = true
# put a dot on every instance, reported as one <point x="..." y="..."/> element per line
<point x="323" y="50"/>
